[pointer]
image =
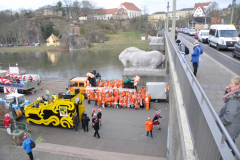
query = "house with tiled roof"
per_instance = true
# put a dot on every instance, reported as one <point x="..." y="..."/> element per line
<point x="199" y="9"/>
<point x="53" y="41"/>
<point x="131" y="9"/>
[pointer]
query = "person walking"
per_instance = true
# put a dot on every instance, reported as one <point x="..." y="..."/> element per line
<point x="197" y="51"/>
<point x="7" y="123"/>
<point x="99" y="116"/>
<point x="26" y="145"/>
<point x="181" y="46"/>
<point x="76" y="121"/>
<point x="47" y="94"/>
<point x="82" y="118"/>
<point x="149" y="126"/>
<point x="230" y="113"/>
<point x="155" y="119"/>
<point x="96" y="128"/>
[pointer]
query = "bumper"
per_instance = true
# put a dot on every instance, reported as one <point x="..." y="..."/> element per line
<point x="225" y="47"/>
<point x="205" y="40"/>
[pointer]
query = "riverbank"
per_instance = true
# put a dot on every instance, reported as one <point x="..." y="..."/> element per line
<point x="95" y="46"/>
<point x="30" y="49"/>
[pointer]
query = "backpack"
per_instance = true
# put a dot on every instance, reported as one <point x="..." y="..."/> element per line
<point x="186" y="50"/>
<point x="32" y="144"/>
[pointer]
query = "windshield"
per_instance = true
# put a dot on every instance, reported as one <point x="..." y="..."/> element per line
<point x="192" y="30"/>
<point x="205" y="33"/>
<point x="21" y="100"/>
<point x="228" y="33"/>
<point x="73" y="84"/>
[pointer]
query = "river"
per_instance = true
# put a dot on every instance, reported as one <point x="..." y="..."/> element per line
<point x="62" y="65"/>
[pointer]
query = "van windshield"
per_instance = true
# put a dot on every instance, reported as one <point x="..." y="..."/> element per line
<point x="205" y="33"/>
<point x="228" y="33"/>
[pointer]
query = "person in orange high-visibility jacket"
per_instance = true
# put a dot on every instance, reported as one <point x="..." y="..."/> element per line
<point x="116" y="101"/>
<point x="88" y="97"/>
<point x="147" y="102"/>
<point x="103" y="101"/>
<point x="121" y="101"/>
<point x="139" y="98"/>
<point x="149" y="97"/>
<point x="99" y="100"/>
<point x="125" y="101"/>
<point x="109" y="101"/>
<point x="129" y="101"/>
<point x="113" y="100"/>
<point x="143" y="90"/>
<point x="149" y="126"/>
<point x="136" y="104"/>
<point x="95" y="98"/>
<point x="88" y="84"/>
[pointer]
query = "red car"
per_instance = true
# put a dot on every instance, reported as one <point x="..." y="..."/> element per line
<point x="196" y="35"/>
<point x="26" y="44"/>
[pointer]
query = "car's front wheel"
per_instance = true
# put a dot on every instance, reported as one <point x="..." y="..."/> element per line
<point x="218" y="47"/>
<point x="233" y="53"/>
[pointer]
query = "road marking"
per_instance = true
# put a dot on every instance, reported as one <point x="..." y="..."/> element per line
<point x="39" y="139"/>
<point x="233" y="73"/>
<point x="214" y="50"/>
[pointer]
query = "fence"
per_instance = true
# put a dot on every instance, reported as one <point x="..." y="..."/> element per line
<point x="208" y="140"/>
<point x="20" y="125"/>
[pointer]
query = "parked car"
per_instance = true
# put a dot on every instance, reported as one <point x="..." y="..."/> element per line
<point x="19" y="45"/>
<point x="1" y="45"/>
<point x="185" y="30"/>
<point x="178" y="30"/>
<point x="33" y="44"/>
<point x="203" y="36"/>
<point x="236" y="50"/>
<point x="37" y="44"/>
<point x="9" y="45"/>
<point x="26" y="44"/>
<point x="196" y="35"/>
<point x="181" y="30"/>
<point x="222" y="36"/>
<point x="191" y="32"/>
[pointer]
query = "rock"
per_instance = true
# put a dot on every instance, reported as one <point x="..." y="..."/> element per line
<point x="77" y="43"/>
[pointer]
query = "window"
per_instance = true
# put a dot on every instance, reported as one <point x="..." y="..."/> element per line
<point x="81" y="84"/>
<point x="228" y="33"/>
<point x="73" y="84"/>
<point x="212" y="32"/>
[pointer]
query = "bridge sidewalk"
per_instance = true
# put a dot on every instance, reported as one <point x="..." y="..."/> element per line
<point x="213" y="77"/>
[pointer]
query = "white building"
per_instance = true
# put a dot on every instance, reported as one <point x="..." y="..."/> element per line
<point x="132" y="10"/>
<point x="199" y="9"/>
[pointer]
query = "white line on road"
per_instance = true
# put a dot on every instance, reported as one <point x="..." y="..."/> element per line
<point x="216" y="51"/>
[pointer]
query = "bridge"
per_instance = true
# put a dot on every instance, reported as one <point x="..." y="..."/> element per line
<point x="195" y="130"/>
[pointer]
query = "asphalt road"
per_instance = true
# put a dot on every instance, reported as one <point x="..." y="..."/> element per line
<point x="223" y="56"/>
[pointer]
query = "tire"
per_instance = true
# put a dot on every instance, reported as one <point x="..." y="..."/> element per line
<point x="233" y="54"/>
<point x="156" y="100"/>
<point x="209" y="43"/>
<point x="218" y="47"/>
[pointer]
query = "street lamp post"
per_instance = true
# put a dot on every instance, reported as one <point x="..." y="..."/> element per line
<point x="174" y="20"/>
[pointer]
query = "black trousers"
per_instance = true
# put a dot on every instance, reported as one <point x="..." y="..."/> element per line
<point x="30" y="155"/>
<point x="85" y="127"/>
<point x="96" y="133"/>
<point x="195" y="67"/>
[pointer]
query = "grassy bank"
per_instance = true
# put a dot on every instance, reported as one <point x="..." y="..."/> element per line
<point x="29" y="49"/>
<point x="119" y="46"/>
<point x="125" y="37"/>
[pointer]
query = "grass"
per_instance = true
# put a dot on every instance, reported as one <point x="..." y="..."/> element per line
<point x="29" y="49"/>
<point x="119" y="46"/>
<point x="125" y="37"/>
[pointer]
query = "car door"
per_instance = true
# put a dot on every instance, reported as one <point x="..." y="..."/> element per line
<point x="237" y="48"/>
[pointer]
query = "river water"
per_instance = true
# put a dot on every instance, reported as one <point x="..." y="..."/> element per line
<point x="63" y="65"/>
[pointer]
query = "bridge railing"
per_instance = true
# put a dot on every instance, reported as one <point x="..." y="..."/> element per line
<point x="207" y="131"/>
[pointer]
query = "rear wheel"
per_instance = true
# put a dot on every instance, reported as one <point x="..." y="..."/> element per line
<point x="234" y="54"/>
<point x="209" y="43"/>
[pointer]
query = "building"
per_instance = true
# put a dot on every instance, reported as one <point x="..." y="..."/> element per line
<point x="199" y="9"/>
<point x="227" y="10"/>
<point x="53" y="41"/>
<point x="120" y="13"/>
<point x="48" y="10"/>
<point x="185" y="13"/>
<point x="132" y="10"/>
<point x="198" y="22"/>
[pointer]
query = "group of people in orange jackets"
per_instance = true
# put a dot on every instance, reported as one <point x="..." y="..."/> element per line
<point x="120" y="99"/>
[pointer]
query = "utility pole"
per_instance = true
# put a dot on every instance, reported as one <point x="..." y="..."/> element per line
<point x="233" y="3"/>
<point x="174" y="20"/>
<point x="167" y="14"/>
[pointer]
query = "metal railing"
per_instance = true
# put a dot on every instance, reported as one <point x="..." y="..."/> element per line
<point x="208" y="137"/>
<point x="20" y="125"/>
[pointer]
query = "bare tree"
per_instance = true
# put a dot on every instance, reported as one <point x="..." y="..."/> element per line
<point x="68" y="5"/>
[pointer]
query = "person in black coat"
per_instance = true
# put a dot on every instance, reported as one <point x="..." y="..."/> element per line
<point x="99" y="116"/>
<point x="76" y="121"/>
<point x="82" y="118"/>
<point x="96" y="128"/>
<point x="85" y="123"/>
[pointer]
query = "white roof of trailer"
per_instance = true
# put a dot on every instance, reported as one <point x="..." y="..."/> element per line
<point x="17" y="95"/>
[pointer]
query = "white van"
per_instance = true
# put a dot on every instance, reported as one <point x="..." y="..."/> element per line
<point x="223" y="36"/>
<point x="203" y="36"/>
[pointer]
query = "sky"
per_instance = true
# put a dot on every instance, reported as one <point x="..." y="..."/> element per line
<point x="152" y="5"/>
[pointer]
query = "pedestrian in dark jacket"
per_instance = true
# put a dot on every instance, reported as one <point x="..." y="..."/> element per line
<point x="99" y="116"/>
<point x="76" y="121"/>
<point x="26" y="145"/>
<point x="82" y="118"/>
<point x="197" y="51"/>
<point x="96" y="128"/>
<point x="85" y="123"/>
<point x="230" y="113"/>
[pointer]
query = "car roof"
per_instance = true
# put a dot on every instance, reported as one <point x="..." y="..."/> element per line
<point x="222" y="27"/>
<point x="17" y="95"/>
<point x="79" y="79"/>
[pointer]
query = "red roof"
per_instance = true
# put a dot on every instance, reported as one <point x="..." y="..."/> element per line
<point x="201" y="5"/>
<point x="119" y="10"/>
<point x="109" y="11"/>
<point x="53" y="37"/>
<point x="82" y="15"/>
<point x="130" y="6"/>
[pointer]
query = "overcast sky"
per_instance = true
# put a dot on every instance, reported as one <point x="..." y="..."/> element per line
<point x="152" y="5"/>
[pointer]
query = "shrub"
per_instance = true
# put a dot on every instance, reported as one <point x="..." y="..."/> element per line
<point x="82" y="31"/>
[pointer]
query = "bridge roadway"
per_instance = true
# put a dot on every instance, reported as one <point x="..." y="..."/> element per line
<point x="214" y="73"/>
<point x="123" y="133"/>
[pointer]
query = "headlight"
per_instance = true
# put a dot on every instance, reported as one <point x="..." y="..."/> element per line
<point x="222" y="41"/>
